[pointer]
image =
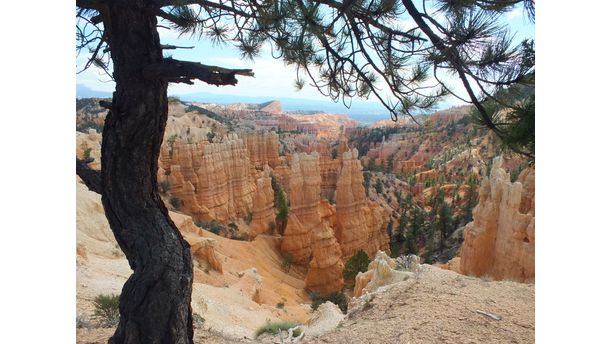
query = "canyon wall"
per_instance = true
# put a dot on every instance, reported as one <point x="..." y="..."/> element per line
<point x="263" y="214"/>
<point x="500" y="242"/>
<point x="211" y="180"/>
<point x="360" y="224"/>
<point x="263" y="148"/>
<point x="307" y="238"/>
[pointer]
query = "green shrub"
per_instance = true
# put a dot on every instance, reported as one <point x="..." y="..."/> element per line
<point x="87" y="153"/>
<point x="164" y="186"/>
<point x="337" y="298"/>
<point x="107" y="309"/>
<point x="356" y="264"/>
<point x="198" y="320"/>
<point x="315" y="304"/>
<point x="378" y="186"/>
<point x="210" y="136"/>
<point x="248" y="218"/>
<point x="280" y="305"/>
<point x="176" y="203"/>
<point x="275" y="328"/>
<point x="287" y="262"/>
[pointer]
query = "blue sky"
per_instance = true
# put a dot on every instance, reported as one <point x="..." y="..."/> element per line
<point x="272" y="79"/>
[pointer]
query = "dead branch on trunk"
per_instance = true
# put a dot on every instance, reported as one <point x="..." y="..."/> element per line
<point x="185" y="71"/>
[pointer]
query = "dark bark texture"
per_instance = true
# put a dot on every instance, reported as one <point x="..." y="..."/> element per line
<point x="155" y="302"/>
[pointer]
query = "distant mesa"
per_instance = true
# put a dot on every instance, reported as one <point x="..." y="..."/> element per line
<point x="273" y="107"/>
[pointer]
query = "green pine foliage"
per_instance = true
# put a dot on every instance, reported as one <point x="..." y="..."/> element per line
<point x="106" y="309"/>
<point x="281" y="205"/>
<point x="354" y="265"/>
<point x="275" y="328"/>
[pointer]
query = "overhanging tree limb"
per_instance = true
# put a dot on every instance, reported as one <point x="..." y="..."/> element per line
<point x="451" y="54"/>
<point x="183" y="71"/>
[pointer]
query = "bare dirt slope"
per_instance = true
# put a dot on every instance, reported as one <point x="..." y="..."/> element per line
<point x="440" y="306"/>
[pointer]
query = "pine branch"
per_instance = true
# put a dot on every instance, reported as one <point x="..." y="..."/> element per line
<point x="231" y="9"/>
<point x="185" y="71"/>
<point x="90" y="4"/>
<point x="172" y="47"/>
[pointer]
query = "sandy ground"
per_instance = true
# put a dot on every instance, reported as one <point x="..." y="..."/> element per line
<point x="226" y="300"/>
<point x="439" y="306"/>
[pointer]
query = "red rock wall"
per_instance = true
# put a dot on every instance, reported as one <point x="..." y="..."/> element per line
<point x="359" y="224"/>
<point x="212" y="180"/>
<point x="500" y="242"/>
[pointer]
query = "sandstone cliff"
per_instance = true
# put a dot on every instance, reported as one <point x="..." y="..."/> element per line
<point x="500" y="242"/>
<point x="263" y="213"/>
<point x="307" y="238"/>
<point x="360" y="224"/>
<point x="211" y="180"/>
<point x="263" y="148"/>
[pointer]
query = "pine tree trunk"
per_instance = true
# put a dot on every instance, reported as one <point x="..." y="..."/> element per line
<point x="155" y="304"/>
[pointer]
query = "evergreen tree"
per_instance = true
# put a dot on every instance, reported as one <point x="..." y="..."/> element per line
<point x="371" y="166"/>
<point x="471" y="199"/>
<point x="354" y="265"/>
<point x="402" y="227"/>
<point x="378" y="186"/>
<point x="367" y="177"/>
<point x="389" y="167"/>
<point x="281" y="205"/>
<point x="445" y="220"/>
<point x="345" y="48"/>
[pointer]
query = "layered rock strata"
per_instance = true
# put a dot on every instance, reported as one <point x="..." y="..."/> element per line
<point x="211" y="180"/>
<point x="263" y="213"/>
<point x="307" y="238"/>
<point x="500" y="242"/>
<point x="360" y="224"/>
<point x="263" y="148"/>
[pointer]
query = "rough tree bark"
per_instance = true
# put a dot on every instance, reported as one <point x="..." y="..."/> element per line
<point x="155" y="304"/>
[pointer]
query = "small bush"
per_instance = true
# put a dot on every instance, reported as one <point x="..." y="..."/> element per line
<point x="107" y="309"/>
<point x="176" y="203"/>
<point x="164" y="186"/>
<point x="287" y="262"/>
<point x="356" y="264"/>
<point x="198" y="320"/>
<point x="87" y="153"/>
<point x="315" y="304"/>
<point x="248" y="218"/>
<point x="275" y="328"/>
<point x="337" y="298"/>
<point x="280" y="305"/>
